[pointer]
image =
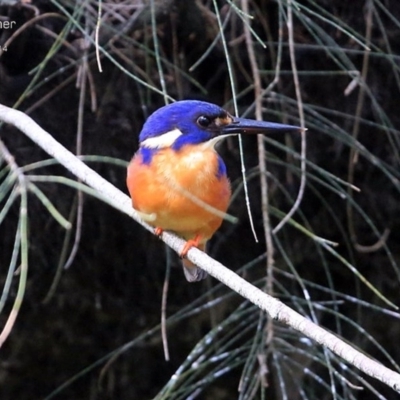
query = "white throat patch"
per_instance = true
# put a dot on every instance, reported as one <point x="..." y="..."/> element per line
<point x="210" y="144"/>
<point x="167" y="139"/>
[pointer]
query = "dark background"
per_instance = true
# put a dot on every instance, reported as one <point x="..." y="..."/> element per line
<point x="111" y="294"/>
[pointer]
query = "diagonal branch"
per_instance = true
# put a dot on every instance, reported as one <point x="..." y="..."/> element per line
<point x="269" y="304"/>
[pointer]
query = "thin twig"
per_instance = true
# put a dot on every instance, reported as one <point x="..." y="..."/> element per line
<point x="262" y="162"/>
<point x="296" y="204"/>
<point x="96" y="37"/>
<point x="262" y="165"/>
<point x="81" y="84"/>
<point x="157" y="51"/>
<point x="233" y="88"/>
<point x="23" y="229"/>
<point x="164" y="299"/>
<point x="353" y="157"/>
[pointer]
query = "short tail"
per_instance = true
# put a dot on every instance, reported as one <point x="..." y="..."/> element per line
<point x="193" y="273"/>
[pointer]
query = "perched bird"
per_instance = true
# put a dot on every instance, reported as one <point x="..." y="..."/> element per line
<point x="179" y="177"/>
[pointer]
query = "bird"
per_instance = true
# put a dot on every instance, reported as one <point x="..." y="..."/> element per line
<point x="177" y="175"/>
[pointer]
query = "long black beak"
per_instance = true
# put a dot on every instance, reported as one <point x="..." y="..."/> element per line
<point x="251" y="126"/>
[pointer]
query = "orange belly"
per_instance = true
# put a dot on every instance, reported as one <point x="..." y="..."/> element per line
<point x="175" y="185"/>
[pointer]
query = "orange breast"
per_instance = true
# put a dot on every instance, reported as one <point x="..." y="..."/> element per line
<point x="178" y="186"/>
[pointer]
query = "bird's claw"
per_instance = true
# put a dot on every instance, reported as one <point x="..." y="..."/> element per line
<point x="189" y="244"/>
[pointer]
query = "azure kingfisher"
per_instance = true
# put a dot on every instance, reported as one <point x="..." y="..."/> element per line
<point x="178" y="176"/>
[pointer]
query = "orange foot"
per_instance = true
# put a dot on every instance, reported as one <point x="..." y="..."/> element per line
<point x="158" y="231"/>
<point x="189" y="244"/>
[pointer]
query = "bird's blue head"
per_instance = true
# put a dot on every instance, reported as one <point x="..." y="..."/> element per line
<point x="192" y="122"/>
<point x="182" y="123"/>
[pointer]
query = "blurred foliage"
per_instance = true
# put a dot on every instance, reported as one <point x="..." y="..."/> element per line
<point x="92" y="330"/>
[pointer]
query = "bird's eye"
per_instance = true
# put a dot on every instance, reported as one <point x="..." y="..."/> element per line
<point x="204" y="121"/>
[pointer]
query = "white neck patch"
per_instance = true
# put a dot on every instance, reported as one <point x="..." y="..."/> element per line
<point x="167" y="139"/>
